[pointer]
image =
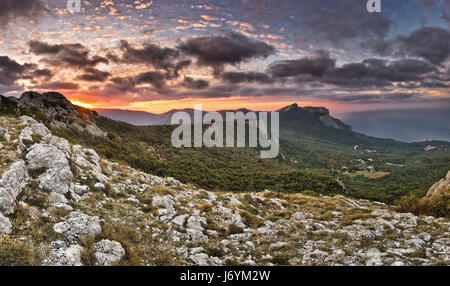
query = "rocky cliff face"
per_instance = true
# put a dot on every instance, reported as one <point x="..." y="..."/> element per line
<point x="311" y="114"/>
<point x="59" y="110"/>
<point x="440" y="187"/>
<point x="61" y="204"/>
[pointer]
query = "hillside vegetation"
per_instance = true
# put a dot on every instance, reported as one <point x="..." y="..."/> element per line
<point x="314" y="157"/>
<point x="64" y="205"/>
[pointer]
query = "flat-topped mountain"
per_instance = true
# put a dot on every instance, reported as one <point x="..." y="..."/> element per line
<point x="314" y="116"/>
<point x="292" y="112"/>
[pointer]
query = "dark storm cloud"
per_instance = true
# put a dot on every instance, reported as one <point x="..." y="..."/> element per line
<point x="315" y="66"/>
<point x="66" y="55"/>
<point x="181" y="64"/>
<point x="6" y="63"/>
<point x="46" y="73"/>
<point x="153" y="55"/>
<point x="12" y="9"/>
<point x="240" y="77"/>
<point x="368" y="73"/>
<point x="194" y="84"/>
<point x="230" y="48"/>
<point x="122" y="84"/>
<point x="57" y="85"/>
<point x="38" y="74"/>
<point x="11" y="71"/>
<point x="377" y="72"/>
<point x="92" y="74"/>
<point x="155" y="78"/>
<point x="430" y="43"/>
<point x="131" y="84"/>
<point x="150" y="54"/>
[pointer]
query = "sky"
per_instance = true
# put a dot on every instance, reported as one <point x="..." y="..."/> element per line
<point x="263" y="54"/>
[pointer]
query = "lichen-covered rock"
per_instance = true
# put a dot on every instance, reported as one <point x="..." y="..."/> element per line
<point x="200" y="259"/>
<point x="5" y="225"/>
<point x="25" y="119"/>
<point x="77" y="226"/>
<point x="12" y="182"/>
<point x="373" y="257"/>
<point x="63" y="206"/>
<point x="64" y="255"/>
<point x="4" y="132"/>
<point x="56" y="173"/>
<point x="62" y="144"/>
<point x="88" y="162"/>
<point x="57" y="198"/>
<point x="230" y="216"/>
<point x="440" y="186"/>
<point x="196" y="223"/>
<point x="30" y="134"/>
<point x="357" y="232"/>
<point x="80" y="189"/>
<point x="180" y="220"/>
<point x="108" y="252"/>
<point x="166" y="209"/>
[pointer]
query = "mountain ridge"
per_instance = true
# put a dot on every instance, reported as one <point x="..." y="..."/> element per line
<point x="57" y="109"/>
<point x="313" y="156"/>
<point x="142" y="118"/>
<point x="65" y="205"/>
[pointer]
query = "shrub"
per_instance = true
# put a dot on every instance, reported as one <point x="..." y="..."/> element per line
<point x="328" y="215"/>
<point x="127" y="237"/>
<point x="280" y="260"/>
<point x="437" y="205"/>
<point x="88" y="253"/>
<point x="204" y="207"/>
<point x="215" y="251"/>
<point x="145" y="198"/>
<point x="234" y="229"/>
<point x="37" y="138"/>
<point x="250" y="219"/>
<point x="412" y="204"/>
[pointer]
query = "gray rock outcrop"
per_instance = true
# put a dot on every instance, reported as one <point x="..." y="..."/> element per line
<point x="440" y="186"/>
<point x="77" y="226"/>
<point x="12" y="182"/>
<point x="56" y="174"/>
<point x="108" y="252"/>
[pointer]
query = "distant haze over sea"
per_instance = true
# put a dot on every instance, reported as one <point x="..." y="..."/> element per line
<point x="406" y="125"/>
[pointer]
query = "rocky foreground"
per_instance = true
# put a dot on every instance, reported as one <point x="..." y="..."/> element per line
<point x="61" y="204"/>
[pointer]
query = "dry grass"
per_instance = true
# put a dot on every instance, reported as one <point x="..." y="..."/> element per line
<point x="16" y="253"/>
